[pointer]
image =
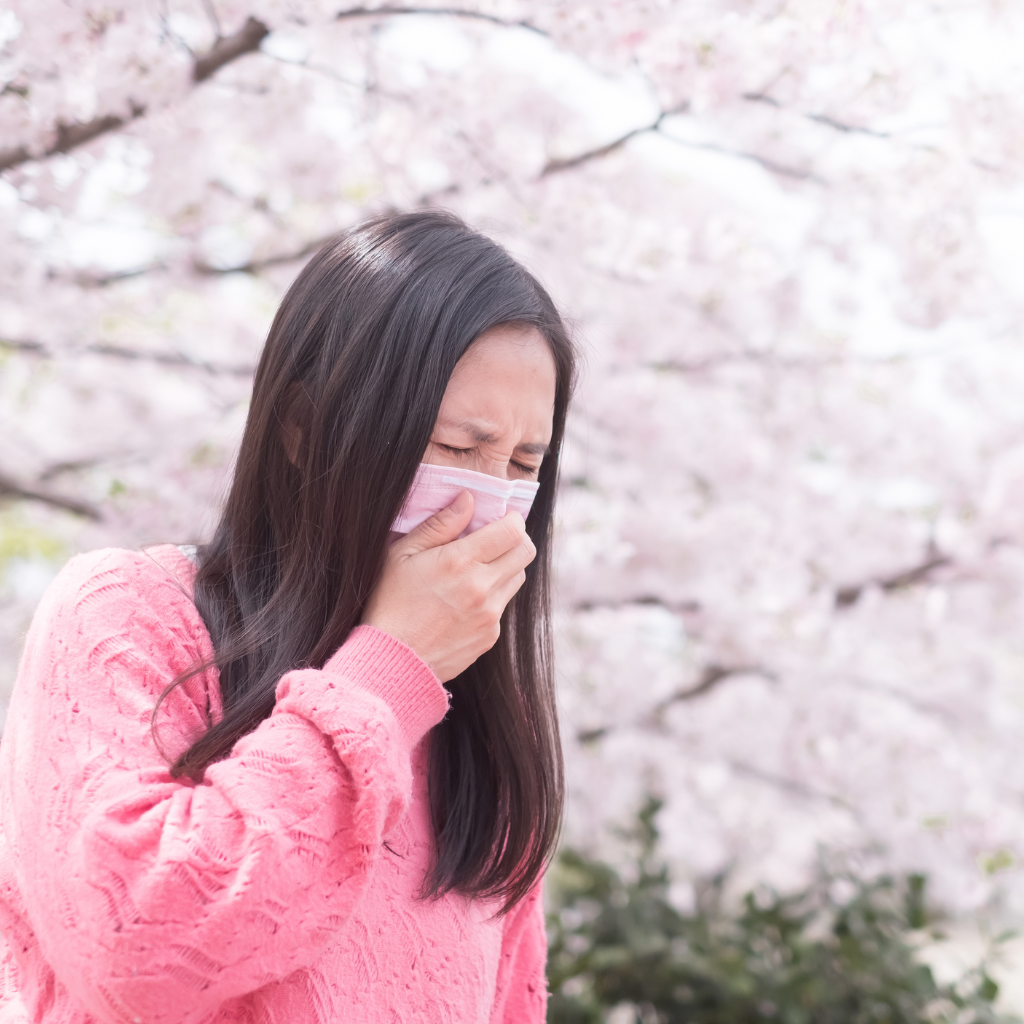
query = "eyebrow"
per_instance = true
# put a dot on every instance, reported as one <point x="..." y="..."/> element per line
<point x="529" y="447"/>
<point x="533" y="448"/>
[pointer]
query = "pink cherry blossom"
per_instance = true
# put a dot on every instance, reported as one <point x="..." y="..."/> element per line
<point x="789" y="238"/>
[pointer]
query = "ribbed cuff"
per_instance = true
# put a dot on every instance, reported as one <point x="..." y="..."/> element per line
<point x="380" y="664"/>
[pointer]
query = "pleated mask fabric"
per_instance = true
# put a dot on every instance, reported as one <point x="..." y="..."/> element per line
<point x="436" y="487"/>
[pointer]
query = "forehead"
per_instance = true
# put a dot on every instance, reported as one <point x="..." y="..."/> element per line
<point x="508" y="350"/>
<point x="507" y="376"/>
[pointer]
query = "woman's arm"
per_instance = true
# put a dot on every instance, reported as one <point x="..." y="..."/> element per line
<point x="521" y="995"/>
<point x="155" y="899"/>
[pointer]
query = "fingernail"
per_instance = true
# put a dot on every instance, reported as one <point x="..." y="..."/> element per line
<point x="461" y="503"/>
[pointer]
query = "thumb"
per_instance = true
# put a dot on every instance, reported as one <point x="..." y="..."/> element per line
<point x="442" y="527"/>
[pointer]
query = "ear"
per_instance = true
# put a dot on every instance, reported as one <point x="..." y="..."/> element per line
<point x="294" y="418"/>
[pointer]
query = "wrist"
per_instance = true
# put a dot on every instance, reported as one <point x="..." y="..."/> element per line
<point x="382" y="664"/>
<point x="402" y="635"/>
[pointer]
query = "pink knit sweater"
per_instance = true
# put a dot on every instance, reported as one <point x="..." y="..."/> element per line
<point x="283" y="888"/>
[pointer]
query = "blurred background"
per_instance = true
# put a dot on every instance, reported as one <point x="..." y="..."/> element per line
<point x="789" y="236"/>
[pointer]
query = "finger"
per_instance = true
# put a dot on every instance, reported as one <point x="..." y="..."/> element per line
<point x="494" y="539"/>
<point x="441" y="528"/>
<point x="512" y="562"/>
<point x="510" y="588"/>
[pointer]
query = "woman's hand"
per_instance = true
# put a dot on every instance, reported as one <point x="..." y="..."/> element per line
<point x="444" y="597"/>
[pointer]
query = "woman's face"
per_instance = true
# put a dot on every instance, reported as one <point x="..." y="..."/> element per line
<point x="496" y="414"/>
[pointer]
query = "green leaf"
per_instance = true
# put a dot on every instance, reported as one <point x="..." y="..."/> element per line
<point x="800" y="958"/>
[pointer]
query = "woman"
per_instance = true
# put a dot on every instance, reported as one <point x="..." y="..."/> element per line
<point x="234" y="789"/>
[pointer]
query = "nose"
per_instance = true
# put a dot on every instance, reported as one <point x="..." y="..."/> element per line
<point x="496" y="468"/>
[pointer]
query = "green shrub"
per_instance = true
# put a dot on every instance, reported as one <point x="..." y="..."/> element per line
<point x="839" y="952"/>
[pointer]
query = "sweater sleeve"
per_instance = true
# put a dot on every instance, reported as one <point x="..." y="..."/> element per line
<point x="155" y="899"/>
<point x="521" y="993"/>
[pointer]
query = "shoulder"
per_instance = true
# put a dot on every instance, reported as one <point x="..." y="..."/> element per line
<point x="116" y="568"/>
<point x="138" y="595"/>
<point x="114" y="629"/>
<point x="116" y="579"/>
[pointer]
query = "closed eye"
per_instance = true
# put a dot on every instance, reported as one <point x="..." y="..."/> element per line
<point x="467" y="451"/>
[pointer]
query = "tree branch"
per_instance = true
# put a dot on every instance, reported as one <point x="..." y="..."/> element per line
<point x="34" y="348"/>
<point x="554" y="166"/>
<point x="896" y="693"/>
<point x="745" y="357"/>
<point x="228" y="48"/>
<point x="825" y="119"/>
<point x="850" y="595"/>
<point x="792" y="786"/>
<point x="676" y="607"/>
<point x="566" y="164"/>
<point x="797" y="173"/>
<point x="10" y="488"/>
<point x="783" y="170"/>
<point x="740" y="357"/>
<point x="171" y="359"/>
<point x="56" y="469"/>
<point x="255" y="266"/>
<point x="710" y="677"/>
<point x="453" y="12"/>
<point x="178" y="359"/>
<point x="92" y="279"/>
<point x="70" y="136"/>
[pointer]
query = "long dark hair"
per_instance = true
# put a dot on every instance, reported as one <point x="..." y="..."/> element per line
<point x="358" y="357"/>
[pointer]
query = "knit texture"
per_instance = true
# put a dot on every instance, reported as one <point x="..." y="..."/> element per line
<point x="283" y="887"/>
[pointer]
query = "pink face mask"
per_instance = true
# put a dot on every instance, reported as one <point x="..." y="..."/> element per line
<point x="436" y="487"/>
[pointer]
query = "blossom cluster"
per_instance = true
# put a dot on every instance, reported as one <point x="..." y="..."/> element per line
<point x="791" y="538"/>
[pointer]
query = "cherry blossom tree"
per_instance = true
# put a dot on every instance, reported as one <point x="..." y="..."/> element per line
<point x="790" y="238"/>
